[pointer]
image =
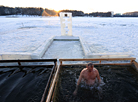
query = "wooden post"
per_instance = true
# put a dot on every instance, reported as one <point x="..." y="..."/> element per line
<point x="100" y="61"/>
<point x="131" y="61"/>
<point x="136" y="64"/>
<point x="52" y="86"/>
<point x="60" y="62"/>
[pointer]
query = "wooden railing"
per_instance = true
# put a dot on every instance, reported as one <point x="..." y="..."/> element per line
<point x="19" y="62"/>
<point x="102" y="59"/>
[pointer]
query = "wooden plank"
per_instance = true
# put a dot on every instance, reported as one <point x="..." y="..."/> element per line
<point x="129" y="64"/>
<point x="32" y="60"/>
<point x="54" y="89"/>
<point x="98" y="59"/>
<point x="48" y="83"/>
<point x="27" y="66"/>
<point x="53" y="84"/>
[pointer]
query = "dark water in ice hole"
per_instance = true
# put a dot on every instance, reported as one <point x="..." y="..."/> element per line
<point x="120" y="85"/>
<point x="23" y="86"/>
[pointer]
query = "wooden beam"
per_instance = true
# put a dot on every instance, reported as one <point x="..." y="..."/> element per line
<point x="98" y="59"/>
<point x="102" y="59"/>
<point x="48" y="84"/>
<point x="98" y="64"/>
<point x="28" y="60"/>
<point x="53" y="84"/>
<point x="27" y="66"/>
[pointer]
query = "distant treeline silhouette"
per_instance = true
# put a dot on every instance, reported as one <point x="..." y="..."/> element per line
<point x="74" y="12"/>
<point x="101" y="14"/>
<point x="94" y="14"/>
<point x="46" y="12"/>
<point x="26" y="11"/>
<point x="130" y="14"/>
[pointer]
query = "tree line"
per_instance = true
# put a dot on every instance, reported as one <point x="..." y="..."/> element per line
<point x="46" y="12"/>
<point x="101" y="14"/>
<point x="131" y="14"/>
<point x="26" y="11"/>
<point x="74" y="12"/>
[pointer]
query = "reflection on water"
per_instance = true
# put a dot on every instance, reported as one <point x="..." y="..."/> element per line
<point x="26" y="85"/>
<point x="119" y="85"/>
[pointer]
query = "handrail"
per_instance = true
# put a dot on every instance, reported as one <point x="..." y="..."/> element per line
<point x="53" y="84"/>
<point x="46" y="88"/>
<point x="99" y="59"/>
<point x="27" y="60"/>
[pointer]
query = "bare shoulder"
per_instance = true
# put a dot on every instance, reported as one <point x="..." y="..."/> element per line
<point x="95" y="70"/>
<point x="84" y="70"/>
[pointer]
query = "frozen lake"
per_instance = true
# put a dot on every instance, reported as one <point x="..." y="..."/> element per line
<point x="103" y="35"/>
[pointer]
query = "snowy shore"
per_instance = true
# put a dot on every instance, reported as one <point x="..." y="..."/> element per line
<point x="103" y="35"/>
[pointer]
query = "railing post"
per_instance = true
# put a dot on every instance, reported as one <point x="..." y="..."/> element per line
<point x="60" y="62"/>
<point x="131" y="61"/>
<point x="19" y="63"/>
<point x="100" y="61"/>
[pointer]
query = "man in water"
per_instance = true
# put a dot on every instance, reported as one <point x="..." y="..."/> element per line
<point x="88" y="75"/>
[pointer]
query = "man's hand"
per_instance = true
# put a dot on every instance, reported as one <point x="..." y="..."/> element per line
<point x="75" y="93"/>
<point x="80" y="78"/>
<point x="99" y="82"/>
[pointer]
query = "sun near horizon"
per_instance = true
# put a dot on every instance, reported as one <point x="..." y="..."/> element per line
<point x="86" y="6"/>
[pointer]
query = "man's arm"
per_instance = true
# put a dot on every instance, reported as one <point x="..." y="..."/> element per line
<point x="78" y="83"/>
<point x="80" y="78"/>
<point x="98" y="77"/>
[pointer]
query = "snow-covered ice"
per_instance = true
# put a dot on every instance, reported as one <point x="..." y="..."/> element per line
<point x="103" y="35"/>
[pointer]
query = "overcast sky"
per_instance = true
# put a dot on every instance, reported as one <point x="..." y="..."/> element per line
<point x="88" y="6"/>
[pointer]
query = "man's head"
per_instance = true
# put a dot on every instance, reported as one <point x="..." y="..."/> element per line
<point x="90" y="66"/>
